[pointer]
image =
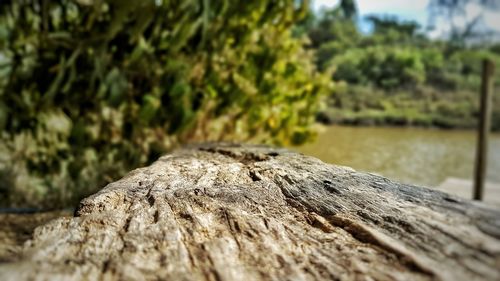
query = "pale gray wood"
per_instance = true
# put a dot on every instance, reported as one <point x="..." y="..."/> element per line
<point x="230" y="212"/>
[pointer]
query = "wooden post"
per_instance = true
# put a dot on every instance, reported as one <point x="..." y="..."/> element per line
<point x="483" y="129"/>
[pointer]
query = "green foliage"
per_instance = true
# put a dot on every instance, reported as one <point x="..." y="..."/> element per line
<point x="391" y="25"/>
<point x="337" y="24"/>
<point x="395" y="55"/>
<point x="384" y="67"/>
<point x="397" y="76"/>
<point x="423" y="106"/>
<point x="93" y="88"/>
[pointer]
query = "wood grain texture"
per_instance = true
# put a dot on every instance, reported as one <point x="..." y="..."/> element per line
<point x="230" y="212"/>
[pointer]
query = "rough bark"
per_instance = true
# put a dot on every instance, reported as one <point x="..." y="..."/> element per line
<point x="229" y="212"/>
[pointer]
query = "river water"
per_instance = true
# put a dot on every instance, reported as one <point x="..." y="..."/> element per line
<point x="411" y="155"/>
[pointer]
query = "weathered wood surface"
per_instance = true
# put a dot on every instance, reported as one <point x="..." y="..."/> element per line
<point x="226" y="212"/>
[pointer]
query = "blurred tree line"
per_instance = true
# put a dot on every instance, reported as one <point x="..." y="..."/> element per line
<point x="90" y="89"/>
<point x="395" y="74"/>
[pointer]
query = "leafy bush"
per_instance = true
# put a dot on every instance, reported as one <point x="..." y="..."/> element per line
<point x="387" y="68"/>
<point x="91" y="89"/>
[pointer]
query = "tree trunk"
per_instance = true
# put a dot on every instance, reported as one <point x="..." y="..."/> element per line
<point x="230" y="212"/>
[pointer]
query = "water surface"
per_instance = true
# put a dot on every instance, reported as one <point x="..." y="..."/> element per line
<point x="411" y="155"/>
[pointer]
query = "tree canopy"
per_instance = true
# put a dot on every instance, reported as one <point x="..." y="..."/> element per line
<point x="473" y="30"/>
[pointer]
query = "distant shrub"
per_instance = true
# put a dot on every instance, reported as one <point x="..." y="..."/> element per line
<point x="387" y="68"/>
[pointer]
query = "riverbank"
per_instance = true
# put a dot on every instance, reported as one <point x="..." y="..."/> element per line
<point x="423" y="106"/>
<point x="396" y="118"/>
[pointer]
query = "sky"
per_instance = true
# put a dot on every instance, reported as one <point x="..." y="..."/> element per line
<point x="416" y="10"/>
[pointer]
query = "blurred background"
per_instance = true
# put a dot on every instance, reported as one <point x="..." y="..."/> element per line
<point x="90" y="89"/>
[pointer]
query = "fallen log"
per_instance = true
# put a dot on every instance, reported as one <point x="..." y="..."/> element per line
<point x="231" y="212"/>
